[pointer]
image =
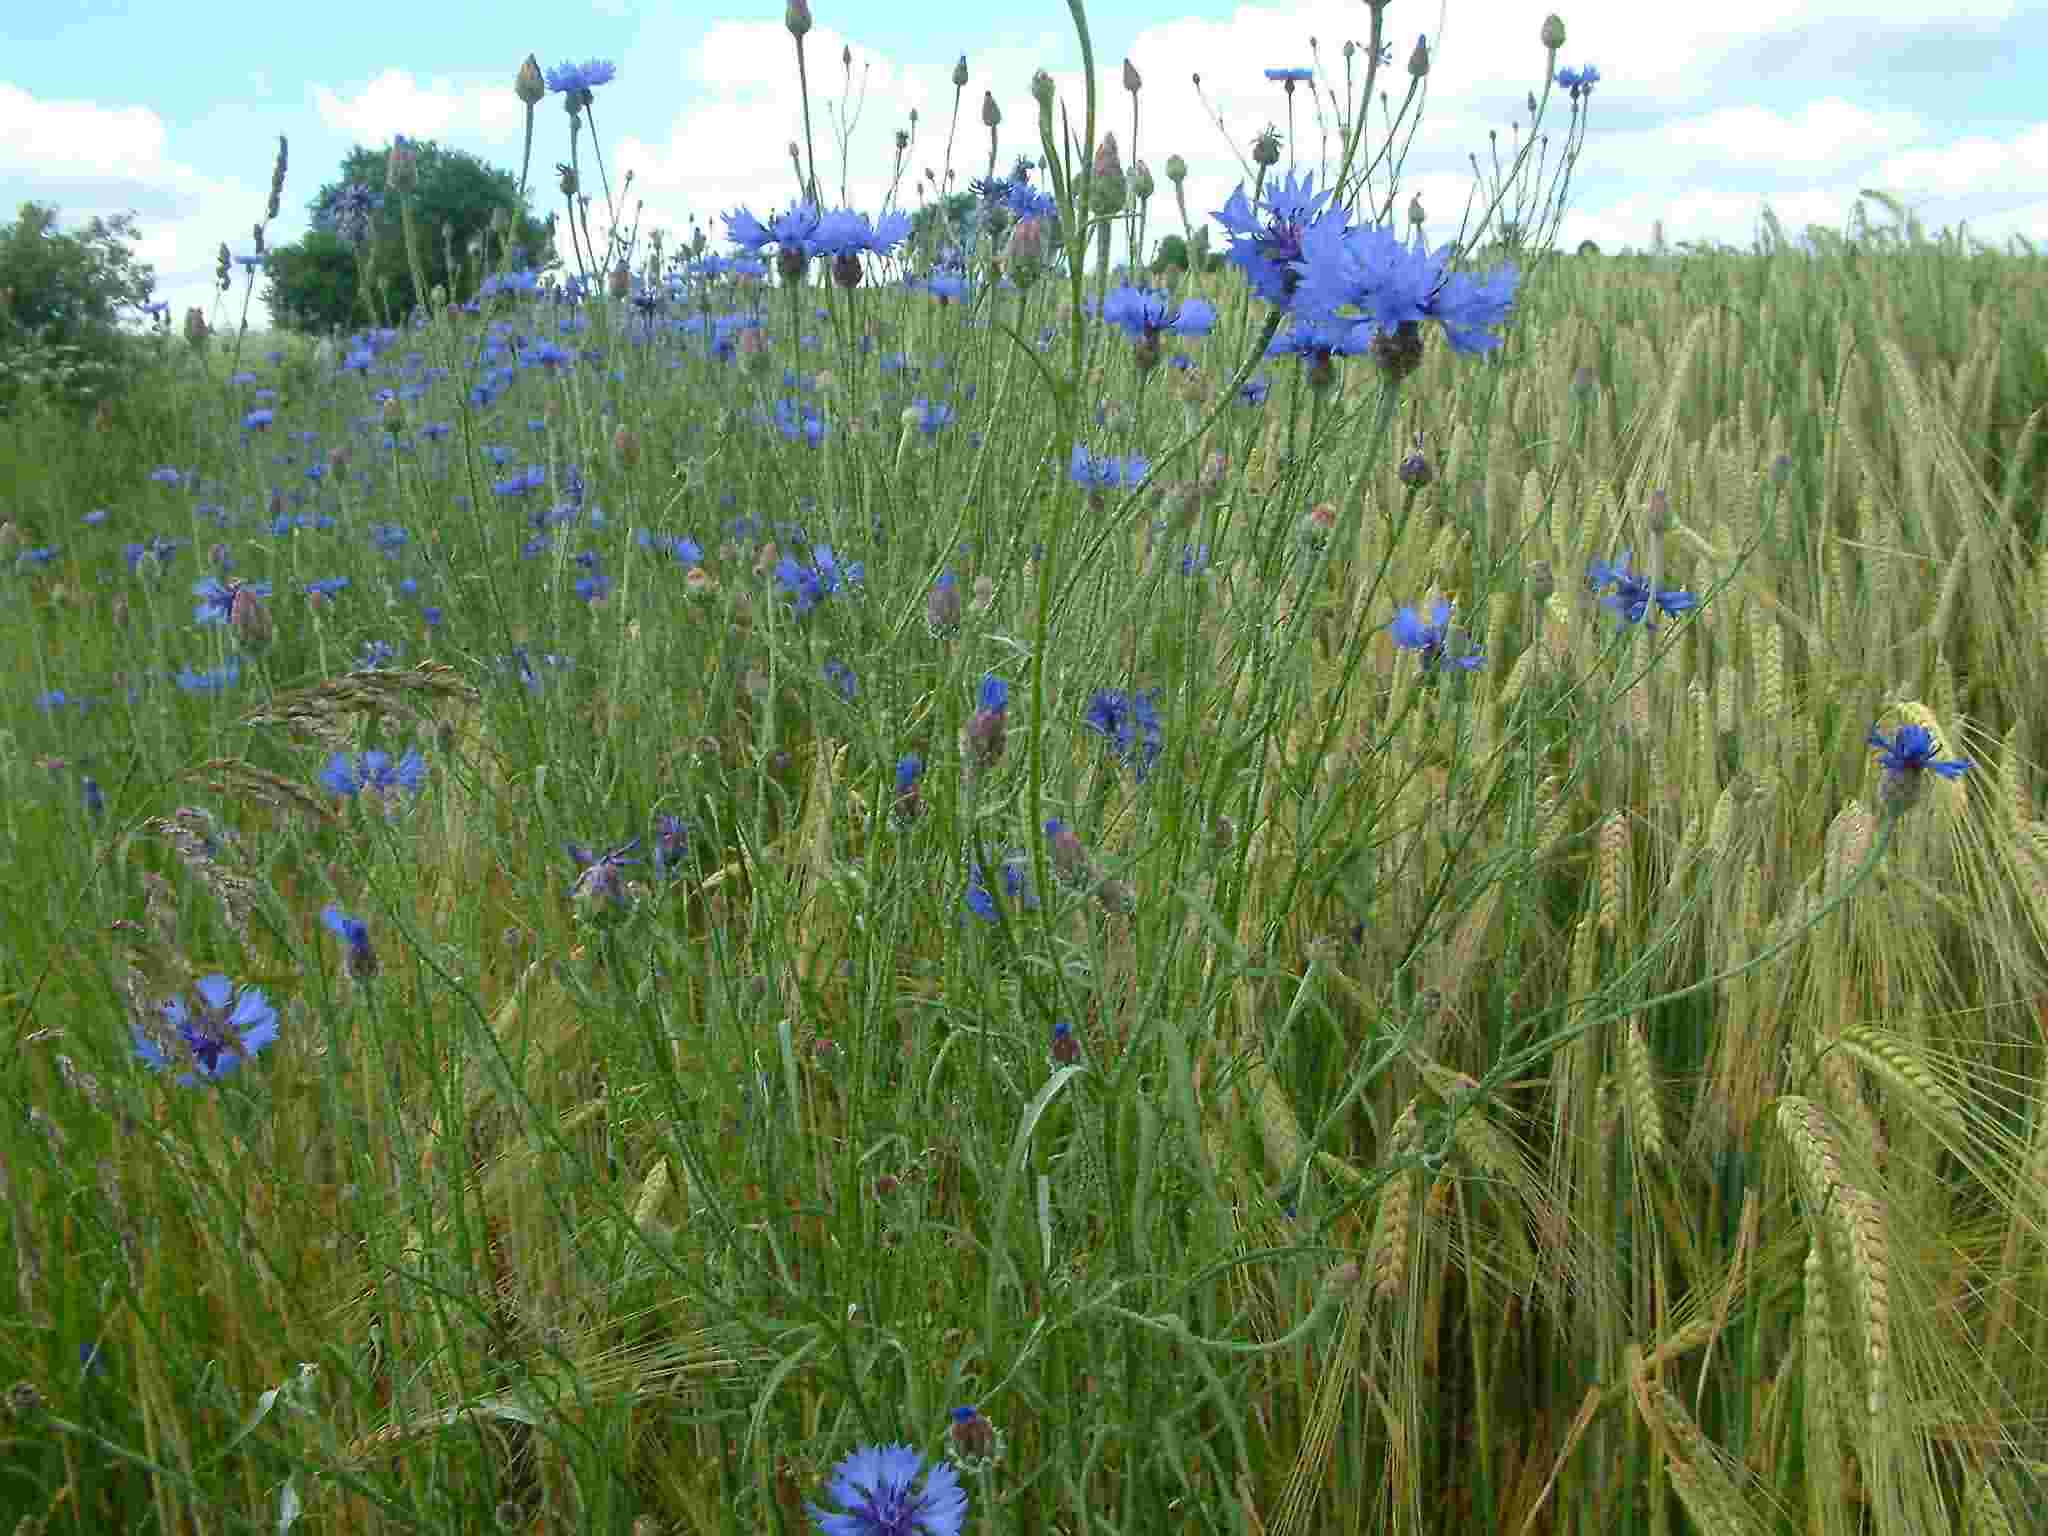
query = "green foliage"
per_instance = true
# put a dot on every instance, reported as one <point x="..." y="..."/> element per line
<point x="937" y="223"/>
<point x="322" y="283"/>
<point x="62" y="294"/>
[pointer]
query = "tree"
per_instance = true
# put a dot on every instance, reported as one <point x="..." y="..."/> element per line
<point x="1171" y="255"/>
<point x="62" y="295"/>
<point x="340" y="276"/>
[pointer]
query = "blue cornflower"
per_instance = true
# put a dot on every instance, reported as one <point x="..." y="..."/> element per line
<point x="1290" y="75"/>
<point x="584" y="77"/>
<point x="1096" y="474"/>
<point x="1631" y="597"/>
<point x="1579" y="82"/>
<point x="1266" y="237"/>
<point x="1906" y="757"/>
<point x="909" y="770"/>
<point x="671" y="843"/>
<point x="981" y="900"/>
<point x="326" y="586"/>
<point x="258" y="419"/>
<point x="600" y="884"/>
<point x="846" y="233"/>
<point x="872" y="1488"/>
<point x="842" y="678"/>
<point x="215" y="680"/>
<point x="1254" y="390"/>
<point x="1065" y="1048"/>
<point x="1130" y="723"/>
<point x="376" y="653"/>
<point x="988" y="728"/>
<point x="931" y="415"/>
<point x="374" y="771"/>
<point x="216" y="603"/>
<point x="792" y="230"/>
<point x="1145" y="315"/>
<point x="1439" y="644"/>
<point x="353" y="931"/>
<point x="89" y="790"/>
<point x="1366" y="280"/>
<point x="219" y="1033"/>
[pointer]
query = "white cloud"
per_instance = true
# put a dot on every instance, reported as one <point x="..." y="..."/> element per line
<point x="395" y="102"/>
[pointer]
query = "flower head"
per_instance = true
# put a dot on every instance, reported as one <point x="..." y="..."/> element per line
<point x="224" y="1028"/>
<point x="1632" y="596"/>
<point x="353" y="931"/>
<point x="574" y="79"/>
<point x="1366" y="279"/>
<point x="600" y="887"/>
<point x="1130" y="723"/>
<point x="1439" y="644"/>
<point x="1906" y="757"/>
<point x="873" y="1489"/>
<point x="1266" y="237"/>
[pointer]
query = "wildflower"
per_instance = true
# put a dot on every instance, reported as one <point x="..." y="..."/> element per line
<point x="1579" y="82"/>
<point x="873" y="1490"/>
<point x="987" y="729"/>
<point x="1317" y="345"/>
<point x="942" y="604"/>
<point x="1130" y="723"/>
<point x="216" y="680"/>
<point x="1069" y="858"/>
<point x="671" y="844"/>
<point x="929" y="416"/>
<point x="1365" y="279"/>
<point x="1145" y="315"/>
<point x="1631" y="597"/>
<point x="353" y="931"/>
<point x="909" y="801"/>
<point x="326" y="586"/>
<point x="374" y="771"/>
<point x="1439" y="644"/>
<point x="1254" y="390"/>
<point x="577" y="81"/>
<point x="1104" y="473"/>
<point x="219" y="1033"/>
<point x="1288" y="77"/>
<point x="974" y="1438"/>
<point x="258" y="419"/>
<point x="981" y="900"/>
<point x="1065" y="1048"/>
<point x="600" y="886"/>
<point x="1266" y="237"/>
<point x="217" y="598"/>
<point x="1906" y="756"/>
<point x="89" y="789"/>
<point x="842" y="679"/>
<point x="845" y="236"/>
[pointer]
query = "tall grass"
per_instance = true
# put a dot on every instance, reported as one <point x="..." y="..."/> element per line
<point x="1568" y="1094"/>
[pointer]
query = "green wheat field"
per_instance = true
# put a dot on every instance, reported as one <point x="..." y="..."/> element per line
<point x="660" y="871"/>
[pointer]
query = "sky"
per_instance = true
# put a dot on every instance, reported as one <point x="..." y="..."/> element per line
<point x="1704" y="114"/>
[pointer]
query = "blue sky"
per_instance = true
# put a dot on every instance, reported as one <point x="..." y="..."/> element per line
<point x="1703" y="114"/>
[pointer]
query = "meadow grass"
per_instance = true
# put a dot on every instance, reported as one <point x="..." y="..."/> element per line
<point x="1581" y="1091"/>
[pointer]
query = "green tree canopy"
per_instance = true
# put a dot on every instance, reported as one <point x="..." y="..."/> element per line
<point x="62" y="298"/>
<point x="328" y="280"/>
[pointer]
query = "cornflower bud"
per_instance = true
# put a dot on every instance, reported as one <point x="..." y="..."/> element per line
<point x="620" y="283"/>
<point x="1418" y="61"/>
<point x="402" y="169"/>
<point x="1266" y="148"/>
<point x="1131" y="81"/>
<point x="1399" y="351"/>
<point x="797" y="17"/>
<point x="531" y="85"/>
<point x="847" y="270"/>
<point x="569" y="182"/>
<point x="942" y="604"/>
<point x="1176" y="169"/>
<point x="1024" y="255"/>
<point x="196" y="330"/>
<point x="1142" y="184"/>
<point x="790" y="262"/>
<point x="1042" y="90"/>
<point x="1658" y="513"/>
<point x="627" y="446"/>
<point x="960" y="74"/>
<point x="249" y="618"/>
<point x="991" y="114"/>
<point x="1106" y="179"/>
<point x="1066" y="1050"/>
<point x="1415" y="471"/>
<point x="394" y="415"/>
<point x="1415" y="209"/>
<point x="902" y="140"/>
<point x="1553" y="32"/>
